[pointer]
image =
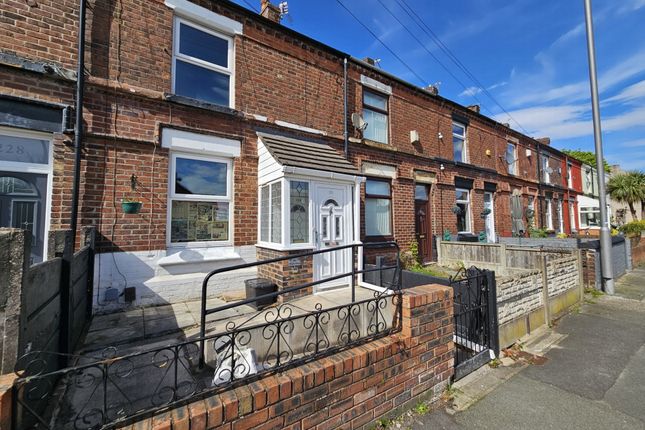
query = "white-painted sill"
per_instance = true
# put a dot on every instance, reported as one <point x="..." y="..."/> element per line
<point x="198" y="255"/>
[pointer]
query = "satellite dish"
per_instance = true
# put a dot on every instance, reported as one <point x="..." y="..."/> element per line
<point x="358" y="122"/>
<point x="549" y="170"/>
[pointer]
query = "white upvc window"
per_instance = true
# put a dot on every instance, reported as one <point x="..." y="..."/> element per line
<point x="203" y="64"/>
<point x="572" y="216"/>
<point x="546" y="174"/>
<point x="459" y="142"/>
<point x="375" y="113"/>
<point x="285" y="213"/>
<point x="560" y="217"/>
<point x="549" y="214"/>
<point x="569" y="175"/>
<point x="589" y="216"/>
<point x="511" y="158"/>
<point x="462" y="201"/>
<point x="200" y="204"/>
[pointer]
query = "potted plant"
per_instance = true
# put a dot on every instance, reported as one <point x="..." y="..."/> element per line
<point x="132" y="204"/>
<point x="485" y="213"/>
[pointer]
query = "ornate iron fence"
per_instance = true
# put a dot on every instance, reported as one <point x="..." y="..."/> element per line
<point x="112" y="388"/>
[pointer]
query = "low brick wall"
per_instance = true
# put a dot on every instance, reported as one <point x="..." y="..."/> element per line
<point x="638" y="251"/>
<point x="348" y="390"/>
<point x="287" y="273"/>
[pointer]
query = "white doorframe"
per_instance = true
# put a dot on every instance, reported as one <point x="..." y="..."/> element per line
<point x="320" y="194"/>
<point x="490" y="218"/>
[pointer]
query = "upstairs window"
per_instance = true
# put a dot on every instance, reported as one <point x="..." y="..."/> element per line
<point x="569" y="175"/>
<point x="202" y="64"/>
<point x="546" y="170"/>
<point x="459" y="141"/>
<point x="375" y="113"/>
<point x="511" y="158"/>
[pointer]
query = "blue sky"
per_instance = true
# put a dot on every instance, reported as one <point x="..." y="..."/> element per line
<point x="530" y="55"/>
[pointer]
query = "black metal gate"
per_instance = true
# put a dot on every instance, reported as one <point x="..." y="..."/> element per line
<point x="475" y="317"/>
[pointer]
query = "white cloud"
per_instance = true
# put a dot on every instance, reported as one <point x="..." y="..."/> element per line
<point x="497" y="85"/>
<point x="633" y="143"/>
<point x="470" y="91"/>
<point x="570" y="121"/>
<point x="631" y="93"/>
<point x="631" y="5"/>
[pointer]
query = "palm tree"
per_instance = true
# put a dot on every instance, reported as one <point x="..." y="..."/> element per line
<point x="628" y="187"/>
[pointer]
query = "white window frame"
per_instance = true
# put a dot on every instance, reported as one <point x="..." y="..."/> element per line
<point x="176" y="55"/>
<point x="587" y="210"/>
<point x="545" y="165"/>
<point x="560" y="210"/>
<point x="469" y="224"/>
<point x="572" y="217"/>
<point x="172" y="195"/>
<point x="385" y="111"/>
<point x="43" y="169"/>
<point x="549" y="214"/>
<point x="463" y="137"/>
<point x="570" y="175"/>
<point x="512" y="167"/>
<point x="285" y="227"/>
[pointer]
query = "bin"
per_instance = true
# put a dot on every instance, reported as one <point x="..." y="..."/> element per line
<point x="257" y="287"/>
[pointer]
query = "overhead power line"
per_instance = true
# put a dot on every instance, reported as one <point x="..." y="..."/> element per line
<point x="390" y="50"/>
<point x="443" y="47"/>
<point x="474" y="96"/>
<point x="251" y="6"/>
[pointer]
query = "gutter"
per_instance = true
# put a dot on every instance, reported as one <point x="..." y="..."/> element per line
<point x="78" y="125"/>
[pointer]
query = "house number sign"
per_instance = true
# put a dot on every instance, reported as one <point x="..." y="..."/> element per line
<point x="24" y="150"/>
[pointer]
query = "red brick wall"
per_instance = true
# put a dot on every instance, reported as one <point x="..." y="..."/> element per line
<point x="347" y="390"/>
<point x="129" y="47"/>
<point x="285" y="276"/>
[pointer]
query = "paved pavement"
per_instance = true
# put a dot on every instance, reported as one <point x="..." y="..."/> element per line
<point x="594" y="377"/>
<point x="150" y="326"/>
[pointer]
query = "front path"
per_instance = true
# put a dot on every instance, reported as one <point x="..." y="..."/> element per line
<point x="594" y="377"/>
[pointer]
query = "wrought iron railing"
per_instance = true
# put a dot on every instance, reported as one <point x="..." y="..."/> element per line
<point x="111" y="389"/>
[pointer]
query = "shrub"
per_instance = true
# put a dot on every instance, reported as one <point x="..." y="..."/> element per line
<point x="537" y="233"/>
<point x="633" y="229"/>
<point x="561" y="236"/>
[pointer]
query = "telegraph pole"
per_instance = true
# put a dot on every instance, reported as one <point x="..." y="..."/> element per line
<point x="605" y="233"/>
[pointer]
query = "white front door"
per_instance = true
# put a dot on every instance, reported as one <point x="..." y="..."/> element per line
<point x="490" y="218"/>
<point x="332" y="229"/>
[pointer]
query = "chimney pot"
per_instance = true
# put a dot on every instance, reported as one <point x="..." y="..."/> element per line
<point x="270" y="11"/>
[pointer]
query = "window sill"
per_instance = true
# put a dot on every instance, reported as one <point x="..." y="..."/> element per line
<point x="368" y="239"/>
<point x="187" y="101"/>
<point x="187" y="255"/>
<point x="280" y="247"/>
<point x="380" y="145"/>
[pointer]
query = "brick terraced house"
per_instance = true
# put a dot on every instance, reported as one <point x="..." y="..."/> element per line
<point x="232" y="132"/>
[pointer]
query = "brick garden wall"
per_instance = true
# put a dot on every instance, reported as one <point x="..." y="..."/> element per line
<point x="348" y="390"/>
<point x="285" y="275"/>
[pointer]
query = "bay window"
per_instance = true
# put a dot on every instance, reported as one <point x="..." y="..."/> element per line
<point x="290" y="207"/>
<point x="202" y="64"/>
<point x="200" y="199"/>
<point x="462" y="211"/>
<point x="378" y="208"/>
<point x="589" y="216"/>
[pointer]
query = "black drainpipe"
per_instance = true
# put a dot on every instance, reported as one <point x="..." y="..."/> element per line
<point x="345" y="129"/>
<point x="78" y="126"/>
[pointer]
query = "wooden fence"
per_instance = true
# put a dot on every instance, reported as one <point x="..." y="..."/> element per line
<point x="48" y="305"/>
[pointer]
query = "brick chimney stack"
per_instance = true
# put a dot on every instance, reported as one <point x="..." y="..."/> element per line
<point x="544" y="140"/>
<point x="475" y="108"/>
<point x="270" y="11"/>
